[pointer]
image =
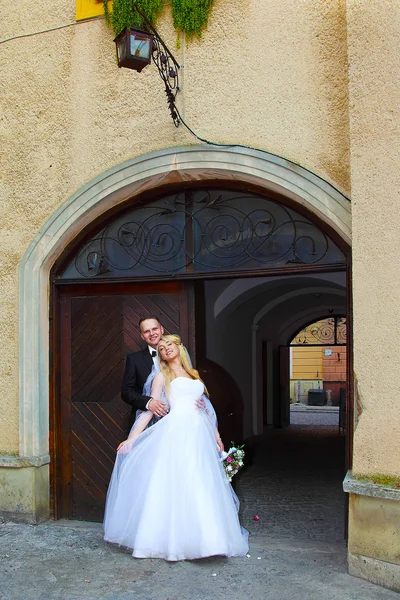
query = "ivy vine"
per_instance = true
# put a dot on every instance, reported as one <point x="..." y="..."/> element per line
<point x="124" y="15"/>
<point x="189" y="16"/>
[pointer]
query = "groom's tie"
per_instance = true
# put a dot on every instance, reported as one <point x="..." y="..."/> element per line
<point x="153" y="353"/>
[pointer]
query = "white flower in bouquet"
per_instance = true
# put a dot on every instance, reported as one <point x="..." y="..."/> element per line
<point x="232" y="460"/>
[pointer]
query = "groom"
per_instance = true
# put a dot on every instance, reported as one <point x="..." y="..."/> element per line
<point x="138" y="367"/>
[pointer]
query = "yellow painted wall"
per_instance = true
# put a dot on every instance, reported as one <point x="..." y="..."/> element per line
<point x="86" y="9"/>
<point x="307" y="362"/>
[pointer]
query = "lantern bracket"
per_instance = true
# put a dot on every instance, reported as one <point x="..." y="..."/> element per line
<point x="167" y="66"/>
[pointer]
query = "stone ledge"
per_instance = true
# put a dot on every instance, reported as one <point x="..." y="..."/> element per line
<point x="365" y="488"/>
<point x="20" y="462"/>
<point x="376" y="571"/>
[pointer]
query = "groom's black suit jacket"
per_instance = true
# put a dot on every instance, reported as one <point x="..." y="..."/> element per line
<point x="137" y="369"/>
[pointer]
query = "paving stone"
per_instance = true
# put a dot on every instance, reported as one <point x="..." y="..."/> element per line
<point x="297" y="550"/>
<point x="294" y="483"/>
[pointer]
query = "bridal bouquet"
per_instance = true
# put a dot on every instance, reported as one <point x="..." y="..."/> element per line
<point x="232" y="460"/>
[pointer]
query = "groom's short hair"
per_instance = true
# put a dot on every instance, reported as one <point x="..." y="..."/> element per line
<point x="147" y="317"/>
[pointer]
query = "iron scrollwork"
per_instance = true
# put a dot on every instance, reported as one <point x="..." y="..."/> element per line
<point x="330" y="332"/>
<point x="209" y="231"/>
<point x="168" y="69"/>
<point x="167" y="65"/>
<point x="247" y="232"/>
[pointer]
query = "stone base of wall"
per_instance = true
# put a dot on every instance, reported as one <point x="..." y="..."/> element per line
<point x="376" y="571"/>
<point x="24" y="493"/>
<point x="374" y="532"/>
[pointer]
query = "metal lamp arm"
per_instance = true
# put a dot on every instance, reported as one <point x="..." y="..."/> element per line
<point x="167" y="66"/>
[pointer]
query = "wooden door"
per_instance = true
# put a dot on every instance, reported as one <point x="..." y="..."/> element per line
<point x="98" y="328"/>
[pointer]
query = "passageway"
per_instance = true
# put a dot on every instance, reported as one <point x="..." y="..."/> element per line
<point x="294" y="483"/>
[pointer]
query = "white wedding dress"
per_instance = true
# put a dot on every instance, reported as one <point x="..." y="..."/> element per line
<point x="169" y="496"/>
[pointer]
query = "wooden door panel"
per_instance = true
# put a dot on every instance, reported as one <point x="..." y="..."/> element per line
<point x="154" y="304"/>
<point x="99" y="327"/>
<point x="94" y="342"/>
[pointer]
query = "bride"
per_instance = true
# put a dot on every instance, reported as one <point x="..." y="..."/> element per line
<point x="169" y="496"/>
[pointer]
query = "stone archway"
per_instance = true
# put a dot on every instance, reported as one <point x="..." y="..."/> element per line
<point x="161" y="169"/>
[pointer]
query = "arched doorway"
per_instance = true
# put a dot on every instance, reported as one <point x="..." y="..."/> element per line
<point x="139" y="182"/>
<point x="318" y="364"/>
<point x="120" y="271"/>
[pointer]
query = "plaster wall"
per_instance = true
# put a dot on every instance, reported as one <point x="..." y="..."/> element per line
<point x="374" y="56"/>
<point x="267" y="74"/>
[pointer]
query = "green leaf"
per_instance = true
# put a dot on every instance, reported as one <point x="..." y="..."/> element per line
<point x="191" y="16"/>
<point x="124" y="15"/>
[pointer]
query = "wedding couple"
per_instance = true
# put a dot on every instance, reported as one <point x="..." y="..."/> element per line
<point x="169" y="496"/>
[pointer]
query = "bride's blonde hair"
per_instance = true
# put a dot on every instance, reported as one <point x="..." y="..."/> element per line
<point x="185" y="360"/>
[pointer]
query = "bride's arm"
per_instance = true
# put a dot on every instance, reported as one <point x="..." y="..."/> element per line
<point x="157" y="387"/>
<point x="158" y="407"/>
<point x="220" y="443"/>
<point x="139" y="426"/>
<point x="144" y="419"/>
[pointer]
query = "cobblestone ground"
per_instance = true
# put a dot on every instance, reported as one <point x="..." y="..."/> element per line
<point x="316" y="416"/>
<point x="296" y="552"/>
<point x="294" y="481"/>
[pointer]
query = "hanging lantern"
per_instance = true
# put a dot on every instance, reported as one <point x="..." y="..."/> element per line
<point x="134" y="48"/>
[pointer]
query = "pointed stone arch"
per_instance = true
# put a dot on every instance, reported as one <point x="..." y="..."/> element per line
<point x="149" y="172"/>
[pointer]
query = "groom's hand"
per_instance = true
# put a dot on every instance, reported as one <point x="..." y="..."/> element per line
<point x="157" y="407"/>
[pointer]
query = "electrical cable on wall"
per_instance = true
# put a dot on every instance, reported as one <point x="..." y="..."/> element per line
<point x="180" y="118"/>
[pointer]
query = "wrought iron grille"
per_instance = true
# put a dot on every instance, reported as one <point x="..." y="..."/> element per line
<point x="203" y="231"/>
<point x="329" y="332"/>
